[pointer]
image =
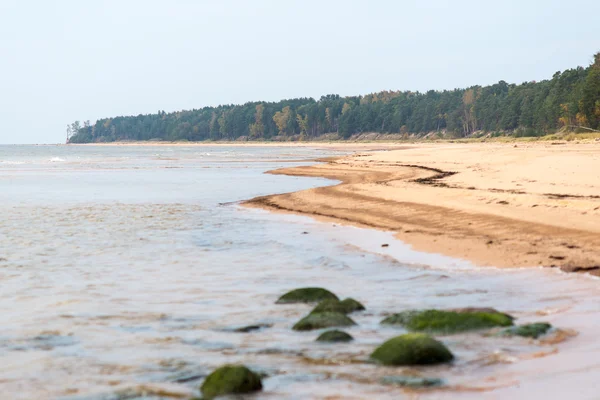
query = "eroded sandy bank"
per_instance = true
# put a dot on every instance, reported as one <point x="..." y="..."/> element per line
<point x="505" y="205"/>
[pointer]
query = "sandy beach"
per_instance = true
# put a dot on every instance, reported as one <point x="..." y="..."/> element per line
<point x="495" y="204"/>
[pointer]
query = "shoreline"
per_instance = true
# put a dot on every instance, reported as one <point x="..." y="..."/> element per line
<point x="331" y="145"/>
<point x="502" y="205"/>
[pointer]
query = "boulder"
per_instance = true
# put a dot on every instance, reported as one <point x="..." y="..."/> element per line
<point x="412" y="349"/>
<point x="230" y="379"/>
<point x="306" y="295"/>
<point x="447" y="322"/>
<point x="335" y="336"/>
<point x="480" y="309"/>
<point x="346" y="306"/>
<point x="352" y="305"/>
<point x="323" y="320"/>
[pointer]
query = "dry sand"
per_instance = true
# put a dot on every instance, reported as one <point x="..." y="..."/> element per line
<point x="504" y="205"/>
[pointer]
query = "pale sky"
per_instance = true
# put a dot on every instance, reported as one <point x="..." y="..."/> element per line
<point x="67" y="60"/>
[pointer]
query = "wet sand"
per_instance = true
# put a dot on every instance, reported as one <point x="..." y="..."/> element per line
<point x="503" y="205"/>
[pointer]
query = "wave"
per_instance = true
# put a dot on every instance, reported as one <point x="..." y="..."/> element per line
<point x="57" y="159"/>
<point x="12" y="162"/>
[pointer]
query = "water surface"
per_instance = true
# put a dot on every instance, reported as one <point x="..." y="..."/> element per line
<point x="124" y="272"/>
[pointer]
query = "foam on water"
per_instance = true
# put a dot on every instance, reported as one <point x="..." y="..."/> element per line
<point x="12" y="162"/>
<point x="121" y="277"/>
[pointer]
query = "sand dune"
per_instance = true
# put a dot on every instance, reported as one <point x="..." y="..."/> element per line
<point x="505" y="205"/>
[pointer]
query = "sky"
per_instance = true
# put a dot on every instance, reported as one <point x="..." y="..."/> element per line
<point x="67" y="60"/>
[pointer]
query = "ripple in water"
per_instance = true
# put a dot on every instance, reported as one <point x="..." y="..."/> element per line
<point x="120" y="282"/>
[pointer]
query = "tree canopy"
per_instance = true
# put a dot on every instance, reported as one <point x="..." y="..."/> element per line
<point x="569" y="99"/>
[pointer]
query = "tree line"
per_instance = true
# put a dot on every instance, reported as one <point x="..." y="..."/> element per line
<point x="570" y="99"/>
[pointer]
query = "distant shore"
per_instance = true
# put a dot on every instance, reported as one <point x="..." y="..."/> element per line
<point x="334" y="145"/>
<point x="495" y="204"/>
<point x="580" y="138"/>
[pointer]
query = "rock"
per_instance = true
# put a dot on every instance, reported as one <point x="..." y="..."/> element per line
<point x="335" y="336"/>
<point x="306" y="295"/>
<point x="447" y="322"/>
<point x="329" y="305"/>
<point x="480" y="309"/>
<point x="323" y="320"/>
<point x="346" y="306"/>
<point x="352" y="305"/>
<point x="412" y="349"/>
<point x="412" y="381"/>
<point x="529" y="330"/>
<point x="401" y="318"/>
<point x="230" y="379"/>
<point x="250" y="328"/>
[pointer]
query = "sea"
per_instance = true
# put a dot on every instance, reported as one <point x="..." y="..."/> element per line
<point x="126" y="272"/>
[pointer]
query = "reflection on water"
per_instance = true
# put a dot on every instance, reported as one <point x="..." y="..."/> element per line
<point x="128" y="280"/>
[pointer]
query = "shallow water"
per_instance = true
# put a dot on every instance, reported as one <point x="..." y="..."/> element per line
<point x="125" y="270"/>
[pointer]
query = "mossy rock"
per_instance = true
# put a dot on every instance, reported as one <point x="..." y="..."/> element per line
<point x="413" y="382"/>
<point x="401" y="318"/>
<point x="335" y="336"/>
<point x="529" y="330"/>
<point x="447" y="322"/>
<point x="480" y="309"/>
<point x="323" y="320"/>
<point x="346" y="306"/>
<point x="306" y="295"/>
<point x="412" y="349"/>
<point x="352" y="305"/>
<point x="230" y="379"/>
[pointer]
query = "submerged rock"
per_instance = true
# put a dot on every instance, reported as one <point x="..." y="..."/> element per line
<point x="306" y="295"/>
<point x="323" y="320"/>
<point x="447" y="322"/>
<point x="230" y="379"/>
<point x="412" y="349"/>
<point x="345" y="306"/>
<point x="480" y="309"/>
<point x="335" y="336"/>
<point x="412" y="381"/>
<point x="529" y="330"/>
<point x="251" y="328"/>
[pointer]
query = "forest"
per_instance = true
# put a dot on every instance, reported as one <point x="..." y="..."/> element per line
<point x="570" y="100"/>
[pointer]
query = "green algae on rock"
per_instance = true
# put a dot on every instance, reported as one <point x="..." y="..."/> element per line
<point x="413" y="382"/>
<point x="346" y="306"/>
<point x="352" y="305"/>
<point x="534" y="330"/>
<point x="447" y="322"/>
<point x="322" y="320"/>
<point x="480" y="309"/>
<point x="230" y="379"/>
<point x="335" y="336"/>
<point x="412" y="349"/>
<point x="306" y="295"/>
